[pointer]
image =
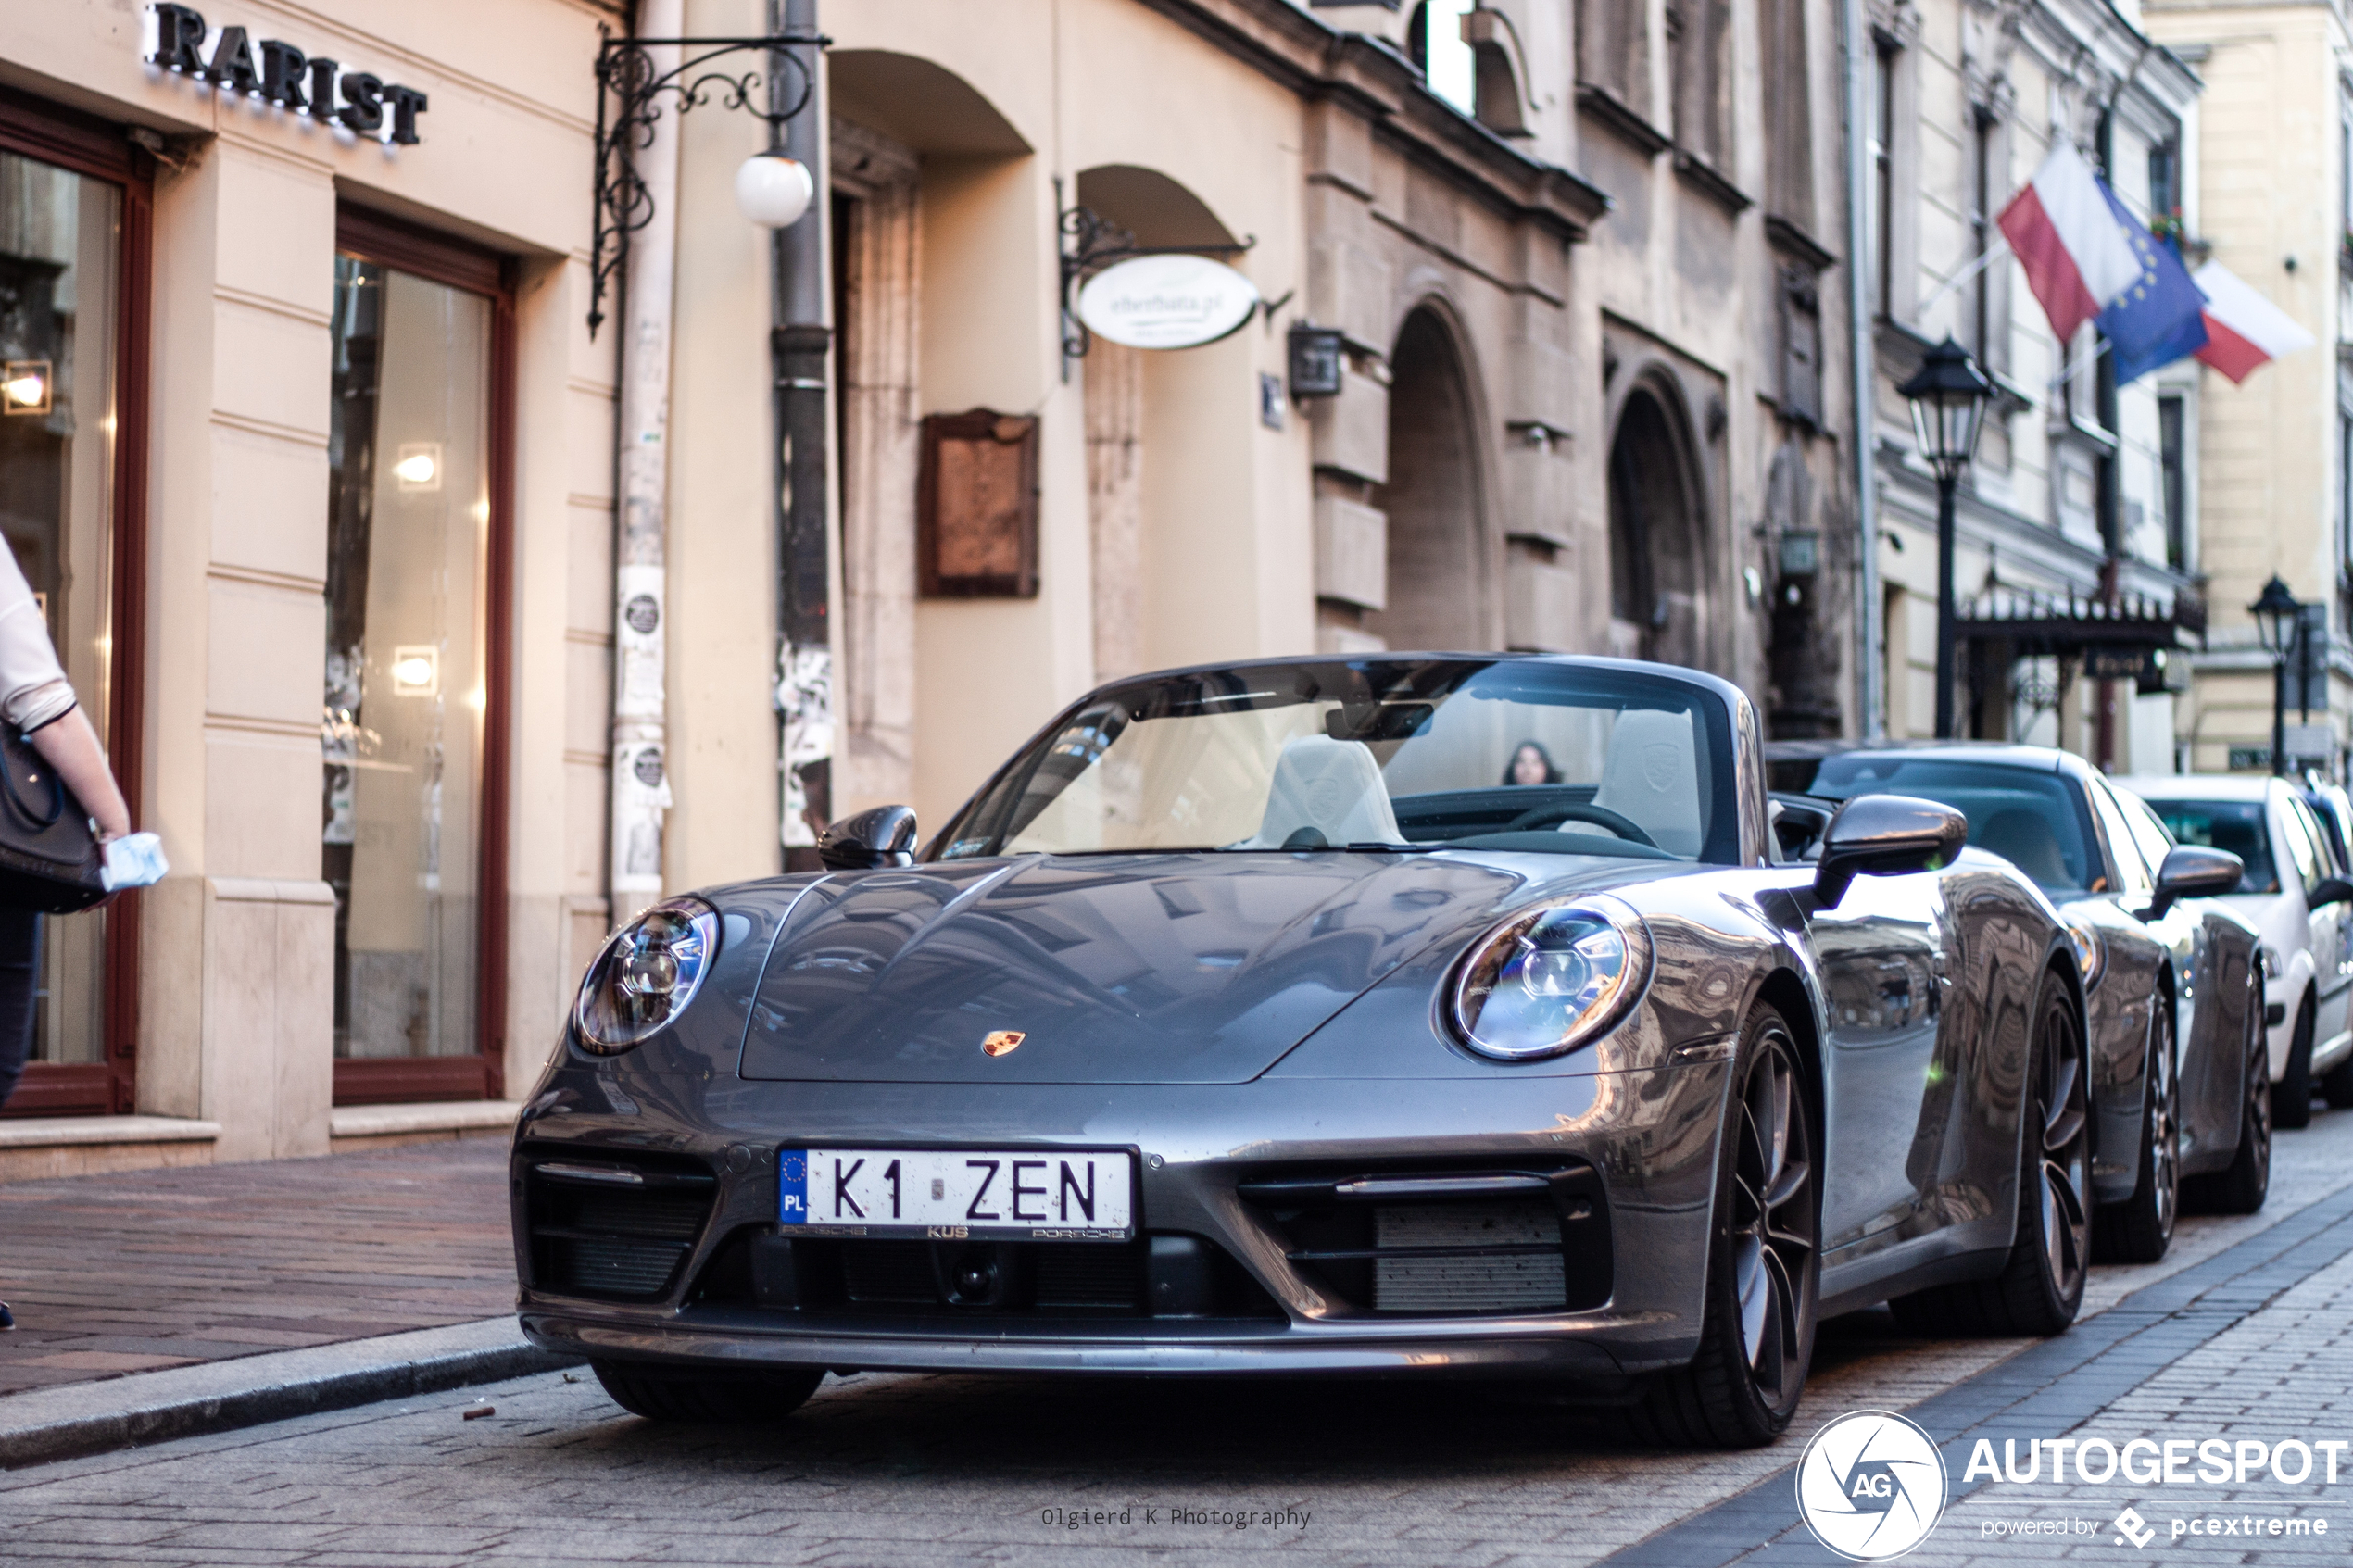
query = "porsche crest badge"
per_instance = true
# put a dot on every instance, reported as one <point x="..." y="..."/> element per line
<point x="1001" y="1042"/>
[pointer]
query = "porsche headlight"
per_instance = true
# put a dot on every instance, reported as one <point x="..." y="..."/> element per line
<point x="2090" y="958"/>
<point x="1552" y="979"/>
<point x="646" y="975"/>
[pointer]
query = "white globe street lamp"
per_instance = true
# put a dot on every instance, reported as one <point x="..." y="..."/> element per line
<point x="774" y="191"/>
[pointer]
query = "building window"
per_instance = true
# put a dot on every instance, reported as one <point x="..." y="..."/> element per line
<point x="73" y="256"/>
<point x="1434" y="42"/>
<point x="1698" y="32"/>
<point x="1789" y="143"/>
<point x="2172" y="457"/>
<point x="415" y="603"/>
<point x="2344" y="498"/>
<point x="1613" y="50"/>
<point x="2164" y="182"/>
<point x="1884" y="178"/>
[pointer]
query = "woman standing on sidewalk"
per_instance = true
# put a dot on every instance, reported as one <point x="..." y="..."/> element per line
<point x="37" y="700"/>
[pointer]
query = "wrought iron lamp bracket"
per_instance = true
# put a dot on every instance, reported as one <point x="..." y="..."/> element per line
<point x="1090" y="243"/>
<point x="631" y="98"/>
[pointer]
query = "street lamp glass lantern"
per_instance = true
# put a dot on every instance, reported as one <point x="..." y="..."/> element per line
<point x="1949" y="394"/>
<point x="2275" y="613"/>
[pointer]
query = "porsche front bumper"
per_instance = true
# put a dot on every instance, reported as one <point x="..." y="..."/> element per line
<point x="1642" y="1143"/>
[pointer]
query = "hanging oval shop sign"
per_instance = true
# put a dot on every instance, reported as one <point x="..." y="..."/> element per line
<point x="1166" y="302"/>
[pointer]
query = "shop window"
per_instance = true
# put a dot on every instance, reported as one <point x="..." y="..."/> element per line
<point x="414" y="559"/>
<point x="73" y="227"/>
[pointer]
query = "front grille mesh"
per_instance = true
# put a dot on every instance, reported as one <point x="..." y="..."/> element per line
<point x="605" y="1236"/>
<point x="1424" y="1279"/>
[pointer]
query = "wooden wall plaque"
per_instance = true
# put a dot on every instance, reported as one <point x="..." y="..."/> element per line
<point x="976" y="507"/>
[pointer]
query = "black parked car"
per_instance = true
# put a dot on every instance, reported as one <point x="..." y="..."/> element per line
<point x="2174" y="978"/>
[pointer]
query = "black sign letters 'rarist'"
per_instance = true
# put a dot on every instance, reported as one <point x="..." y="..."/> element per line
<point x="281" y="74"/>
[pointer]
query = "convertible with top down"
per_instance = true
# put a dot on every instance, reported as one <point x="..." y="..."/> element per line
<point x="1411" y="1014"/>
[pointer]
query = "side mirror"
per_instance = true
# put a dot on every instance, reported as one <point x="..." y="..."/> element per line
<point x="1886" y="835"/>
<point x="2330" y="890"/>
<point x="884" y="837"/>
<point x="1797" y="823"/>
<point x="2192" y="870"/>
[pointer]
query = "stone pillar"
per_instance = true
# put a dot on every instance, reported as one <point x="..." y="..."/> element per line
<point x="236" y="984"/>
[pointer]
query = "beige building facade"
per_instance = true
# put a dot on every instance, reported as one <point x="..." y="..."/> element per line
<point x="320" y="497"/>
<point x="2274" y="475"/>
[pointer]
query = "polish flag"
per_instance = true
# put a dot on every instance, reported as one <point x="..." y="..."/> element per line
<point x="2064" y="233"/>
<point x="2242" y="328"/>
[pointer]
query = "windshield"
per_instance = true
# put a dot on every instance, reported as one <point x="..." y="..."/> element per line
<point x="2235" y="825"/>
<point x="1374" y="754"/>
<point x="2031" y="817"/>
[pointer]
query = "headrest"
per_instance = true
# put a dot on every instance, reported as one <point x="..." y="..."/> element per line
<point x="1651" y="776"/>
<point x="1331" y="786"/>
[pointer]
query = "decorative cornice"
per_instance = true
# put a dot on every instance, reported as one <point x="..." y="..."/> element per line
<point x="1308" y="55"/>
<point x="1709" y="180"/>
<point x="1606" y="109"/>
<point x="1796" y="244"/>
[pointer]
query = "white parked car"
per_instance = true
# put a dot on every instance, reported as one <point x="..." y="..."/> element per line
<point x="2294" y="897"/>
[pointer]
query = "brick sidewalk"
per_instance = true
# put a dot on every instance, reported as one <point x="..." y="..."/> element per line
<point x="113" y="1274"/>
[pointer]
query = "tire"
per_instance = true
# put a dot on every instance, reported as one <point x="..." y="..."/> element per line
<point x="1764" y="1261"/>
<point x="2139" y="1229"/>
<point x="710" y="1402"/>
<point x="2292" y="1096"/>
<point x="2336" y="1086"/>
<point x="2241" y="1186"/>
<point x="2040" y="1288"/>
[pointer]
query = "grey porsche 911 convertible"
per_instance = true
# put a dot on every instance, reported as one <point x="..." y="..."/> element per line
<point x="1410" y="1014"/>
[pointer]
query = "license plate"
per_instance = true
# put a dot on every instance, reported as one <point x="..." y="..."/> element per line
<point x="955" y="1193"/>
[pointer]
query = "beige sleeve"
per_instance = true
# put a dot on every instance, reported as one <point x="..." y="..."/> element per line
<point x="32" y="683"/>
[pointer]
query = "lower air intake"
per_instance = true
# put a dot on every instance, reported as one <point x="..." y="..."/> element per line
<point x="1468" y="1258"/>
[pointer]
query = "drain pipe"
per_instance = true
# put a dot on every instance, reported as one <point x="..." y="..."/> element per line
<point x="1870" y="675"/>
<point x="800" y="355"/>
<point x="640" y="779"/>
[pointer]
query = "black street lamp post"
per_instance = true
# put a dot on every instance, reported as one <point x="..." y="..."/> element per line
<point x="1949" y="394"/>
<point x="2276" y="614"/>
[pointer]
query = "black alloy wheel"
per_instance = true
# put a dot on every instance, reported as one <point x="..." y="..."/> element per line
<point x="2336" y="1086"/>
<point x="2292" y="1097"/>
<point x="2241" y="1186"/>
<point x="2040" y="1288"/>
<point x="2140" y="1228"/>
<point x="1764" y="1266"/>
<point x="735" y="1400"/>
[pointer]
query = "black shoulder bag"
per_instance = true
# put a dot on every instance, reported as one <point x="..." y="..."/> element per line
<point x="49" y="858"/>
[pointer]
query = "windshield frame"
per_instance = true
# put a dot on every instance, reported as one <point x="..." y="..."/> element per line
<point x="1736" y="830"/>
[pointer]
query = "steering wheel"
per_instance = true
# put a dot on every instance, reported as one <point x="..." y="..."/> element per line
<point x="1546" y="816"/>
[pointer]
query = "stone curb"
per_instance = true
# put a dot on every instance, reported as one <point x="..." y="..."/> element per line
<point x="155" y="1407"/>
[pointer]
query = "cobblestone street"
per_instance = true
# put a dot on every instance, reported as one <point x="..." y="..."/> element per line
<point x="2241" y="1333"/>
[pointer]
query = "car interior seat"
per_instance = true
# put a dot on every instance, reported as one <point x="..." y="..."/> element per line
<point x="1652" y="775"/>
<point x="1331" y="786"/>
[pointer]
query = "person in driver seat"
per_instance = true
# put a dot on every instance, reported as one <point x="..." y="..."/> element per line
<point x="1531" y="764"/>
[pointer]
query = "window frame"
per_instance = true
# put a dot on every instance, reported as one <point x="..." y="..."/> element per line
<point x="35" y="129"/>
<point x="372" y="237"/>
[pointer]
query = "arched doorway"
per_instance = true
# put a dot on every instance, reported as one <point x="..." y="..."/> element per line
<point x="1436" y="588"/>
<point x="1655" y="548"/>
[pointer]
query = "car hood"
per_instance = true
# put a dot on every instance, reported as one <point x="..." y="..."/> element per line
<point x="1131" y="969"/>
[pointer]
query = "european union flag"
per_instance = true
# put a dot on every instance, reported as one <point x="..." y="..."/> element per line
<point x="2162" y="317"/>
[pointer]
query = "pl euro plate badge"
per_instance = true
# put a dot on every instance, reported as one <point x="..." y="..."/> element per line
<point x="958" y="1193"/>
